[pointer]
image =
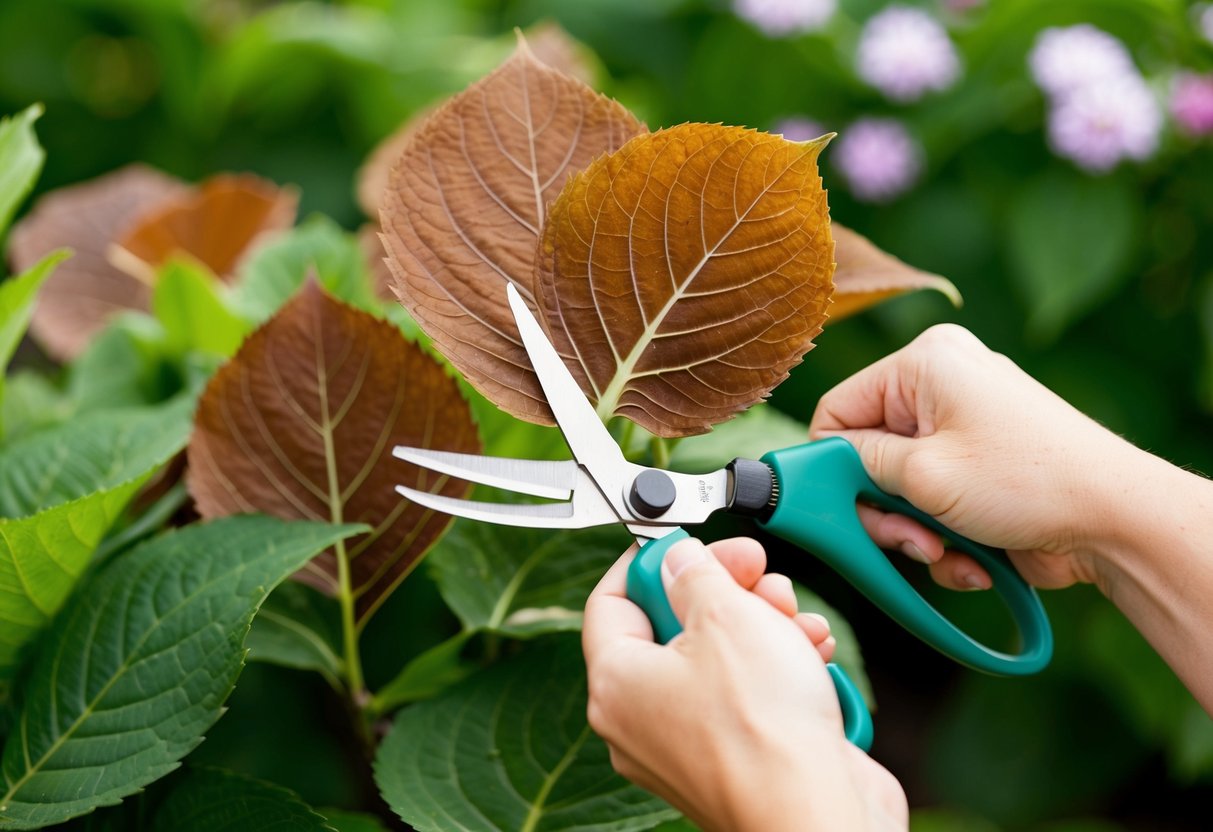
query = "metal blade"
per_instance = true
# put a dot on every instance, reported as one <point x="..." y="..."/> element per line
<point x="588" y="438"/>
<point x="552" y="480"/>
<point x="566" y="515"/>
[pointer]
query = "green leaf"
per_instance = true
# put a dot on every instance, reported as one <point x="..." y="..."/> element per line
<point x="128" y="364"/>
<point x="17" y="305"/>
<point x="760" y="429"/>
<point x="42" y="556"/>
<point x="214" y="800"/>
<point x="275" y="271"/>
<point x="846" y="651"/>
<point x="88" y="454"/>
<point x="522" y="582"/>
<point x="1070" y="241"/>
<point x="426" y="676"/>
<point x="510" y="749"/>
<point x="300" y="628"/>
<point x="137" y="668"/>
<point x="947" y="820"/>
<point x="31" y="402"/>
<point x="21" y="159"/>
<point x="344" y="821"/>
<point x="195" y="317"/>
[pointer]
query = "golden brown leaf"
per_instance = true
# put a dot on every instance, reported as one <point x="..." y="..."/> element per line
<point x="80" y="297"/>
<point x="682" y="276"/>
<point x="216" y="224"/>
<point x="467" y="201"/>
<point x="301" y="424"/>
<point x="866" y="276"/>
<point x="549" y="43"/>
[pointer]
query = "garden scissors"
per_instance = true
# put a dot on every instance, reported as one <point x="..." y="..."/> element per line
<point x="805" y="494"/>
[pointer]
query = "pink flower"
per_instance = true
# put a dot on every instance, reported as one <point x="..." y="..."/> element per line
<point x="1065" y="59"/>
<point x="879" y="159"/>
<point x="1100" y="124"/>
<point x="779" y="18"/>
<point x="905" y="53"/>
<point x="799" y="129"/>
<point x="1192" y="103"/>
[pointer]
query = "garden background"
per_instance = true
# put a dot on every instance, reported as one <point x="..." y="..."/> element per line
<point x="1094" y="272"/>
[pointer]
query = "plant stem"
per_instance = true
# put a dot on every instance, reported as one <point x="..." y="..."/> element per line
<point x="660" y="449"/>
<point x="349" y="629"/>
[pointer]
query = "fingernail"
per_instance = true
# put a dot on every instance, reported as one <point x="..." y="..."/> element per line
<point x="819" y="617"/>
<point x="974" y="581"/>
<point x="683" y="554"/>
<point x="911" y="550"/>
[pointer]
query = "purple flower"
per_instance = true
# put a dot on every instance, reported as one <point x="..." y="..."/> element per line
<point x="905" y="53"/>
<point x="799" y="129"/>
<point x="777" y="18"/>
<point x="1065" y="59"/>
<point x="1192" y="103"/>
<point x="1098" y="125"/>
<point x="879" y="159"/>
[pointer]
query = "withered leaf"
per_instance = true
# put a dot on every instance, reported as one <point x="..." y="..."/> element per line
<point x="682" y="276"/>
<point x="549" y="43"/>
<point x="865" y="276"/>
<point x="86" y="291"/>
<point x="467" y="201"/>
<point x="301" y="423"/>
<point x="216" y="224"/>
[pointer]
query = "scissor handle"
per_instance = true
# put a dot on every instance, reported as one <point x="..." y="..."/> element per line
<point x="819" y="483"/>
<point x="647" y="591"/>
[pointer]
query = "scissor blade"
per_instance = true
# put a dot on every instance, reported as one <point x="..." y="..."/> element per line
<point x="588" y="438"/>
<point x="565" y="515"/>
<point x="552" y="480"/>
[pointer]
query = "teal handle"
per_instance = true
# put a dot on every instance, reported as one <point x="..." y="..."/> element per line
<point x="819" y="484"/>
<point x="647" y="591"/>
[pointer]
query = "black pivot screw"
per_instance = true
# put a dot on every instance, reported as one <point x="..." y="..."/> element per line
<point x="652" y="494"/>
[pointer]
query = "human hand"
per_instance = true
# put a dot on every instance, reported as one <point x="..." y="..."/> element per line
<point x="735" y="721"/>
<point x="968" y="437"/>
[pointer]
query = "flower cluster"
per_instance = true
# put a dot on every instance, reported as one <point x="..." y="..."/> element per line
<point x="1192" y="103"/>
<point x="779" y="18"/>
<point x="879" y="159"/>
<point x="1101" y="110"/>
<point x="905" y="53"/>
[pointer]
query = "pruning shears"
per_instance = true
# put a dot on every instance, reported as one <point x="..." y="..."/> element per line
<point x="804" y="494"/>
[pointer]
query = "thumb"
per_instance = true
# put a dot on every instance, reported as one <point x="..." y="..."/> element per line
<point x="695" y="580"/>
<point x="884" y="455"/>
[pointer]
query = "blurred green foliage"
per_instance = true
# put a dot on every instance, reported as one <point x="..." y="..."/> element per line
<point x="1102" y="287"/>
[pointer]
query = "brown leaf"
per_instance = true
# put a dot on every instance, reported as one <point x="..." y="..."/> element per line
<point x="549" y="44"/>
<point x="866" y="276"/>
<point x="216" y="224"/>
<point x="86" y="291"/>
<point x="684" y="275"/>
<point x="369" y="240"/>
<point x="466" y="204"/>
<point x="301" y="423"/>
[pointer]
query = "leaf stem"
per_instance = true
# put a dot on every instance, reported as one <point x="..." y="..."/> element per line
<point x="660" y="449"/>
<point x="349" y="629"/>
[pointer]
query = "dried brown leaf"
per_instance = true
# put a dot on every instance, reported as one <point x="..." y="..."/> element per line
<point x="467" y="201"/>
<point x="301" y="423"/>
<point x="549" y="43"/>
<point x="86" y="291"/>
<point x="866" y="276"/>
<point x="682" y="276"/>
<point x="216" y="224"/>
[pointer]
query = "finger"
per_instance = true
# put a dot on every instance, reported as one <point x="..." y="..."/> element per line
<point x="815" y="626"/>
<point x="883" y="454"/>
<point x="610" y="618"/>
<point x="875" y="397"/>
<point x="896" y="531"/>
<point x="695" y="582"/>
<point x="743" y="557"/>
<point x="777" y="591"/>
<point x="958" y="571"/>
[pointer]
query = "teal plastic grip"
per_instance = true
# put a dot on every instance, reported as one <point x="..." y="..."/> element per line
<point x="819" y="484"/>
<point x="647" y="591"/>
